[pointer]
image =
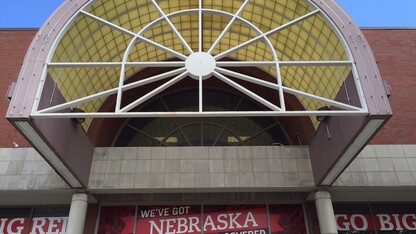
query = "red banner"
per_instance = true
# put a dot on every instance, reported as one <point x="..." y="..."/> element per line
<point x="397" y="222"/>
<point x="168" y="219"/>
<point x="215" y="219"/>
<point x="38" y="225"/>
<point x="287" y="218"/>
<point x="13" y="225"/>
<point x="354" y="222"/>
<point x="48" y="225"/>
<point x="116" y="220"/>
<point x="383" y="222"/>
<point x="236" y="219"/>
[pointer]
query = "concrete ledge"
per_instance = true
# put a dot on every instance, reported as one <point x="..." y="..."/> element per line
<point x="25" y="169"/>
<point x="381" y="165"/>
<point x="220" y="168"/>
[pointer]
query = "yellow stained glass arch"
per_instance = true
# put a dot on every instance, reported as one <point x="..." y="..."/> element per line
<point x="110" y="41"/>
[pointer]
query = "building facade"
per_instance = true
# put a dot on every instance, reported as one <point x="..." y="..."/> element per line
<point x="187" y="133"/>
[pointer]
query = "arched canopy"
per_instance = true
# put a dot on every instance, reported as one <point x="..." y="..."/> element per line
<point x="107" y="42"/>
<point x="88" y="51"/>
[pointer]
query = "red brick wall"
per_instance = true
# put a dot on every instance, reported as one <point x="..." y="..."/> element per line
<point x="13" y="47"/>
<point x="395" y="53"/>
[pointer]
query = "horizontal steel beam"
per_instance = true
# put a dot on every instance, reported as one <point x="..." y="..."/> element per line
<point x="116" y="64"/>
<point x="281" y="63"/>
<point x="198" y="114"/>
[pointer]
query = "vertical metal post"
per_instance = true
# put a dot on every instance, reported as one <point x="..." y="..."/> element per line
<point x="326" y="216"/>
<point x="77" y="213"/>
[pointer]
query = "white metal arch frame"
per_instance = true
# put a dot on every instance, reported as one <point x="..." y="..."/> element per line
<point x="64" y="144"/>
<point x="188" y="66"/>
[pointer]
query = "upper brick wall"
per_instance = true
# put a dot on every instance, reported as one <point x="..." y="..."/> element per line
<point x="13" y="48"/>
<point x="394" y="50"/>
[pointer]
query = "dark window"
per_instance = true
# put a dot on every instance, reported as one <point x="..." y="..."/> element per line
<point x="196" y="131"/>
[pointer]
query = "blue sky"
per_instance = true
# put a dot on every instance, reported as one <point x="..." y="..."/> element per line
<point x="381" y="13"/>
<point x="366" y="13"/>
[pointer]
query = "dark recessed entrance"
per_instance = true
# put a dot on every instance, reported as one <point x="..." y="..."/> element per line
<point x="213" y="131"/>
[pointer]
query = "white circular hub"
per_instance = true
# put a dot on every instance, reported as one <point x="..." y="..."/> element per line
<point x="200" y="64"/>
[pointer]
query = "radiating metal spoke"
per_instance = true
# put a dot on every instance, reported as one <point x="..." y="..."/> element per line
<point x="154" y="92"/>
<point x="152" y="79"/>
<point x="122" y="74"/>
<point x="225" y="30"/>
<point x="248" y="78"/>
<point x="287" y="90"/>
<point x="253" y="40"/>
<point x="132" y="34"/>
<point x="281" y="63"/>
<point x="116" y="64"/>
<point x="315" y="63"/>
<point x="200" y="36"/>
<point x="79" y="101"/>
<point x="83" y="64"/>
<point x="245" y="63"/>
<point x="156" y="64"/>
<point x="183" y="41"/>
<point x="112" y="91"/>
<point x="246" y="91"/>
<point x="162" y="47"/>
<point x="108" y="23"/>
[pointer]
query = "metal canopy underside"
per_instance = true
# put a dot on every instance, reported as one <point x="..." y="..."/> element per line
<point x="107" y="42"/>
